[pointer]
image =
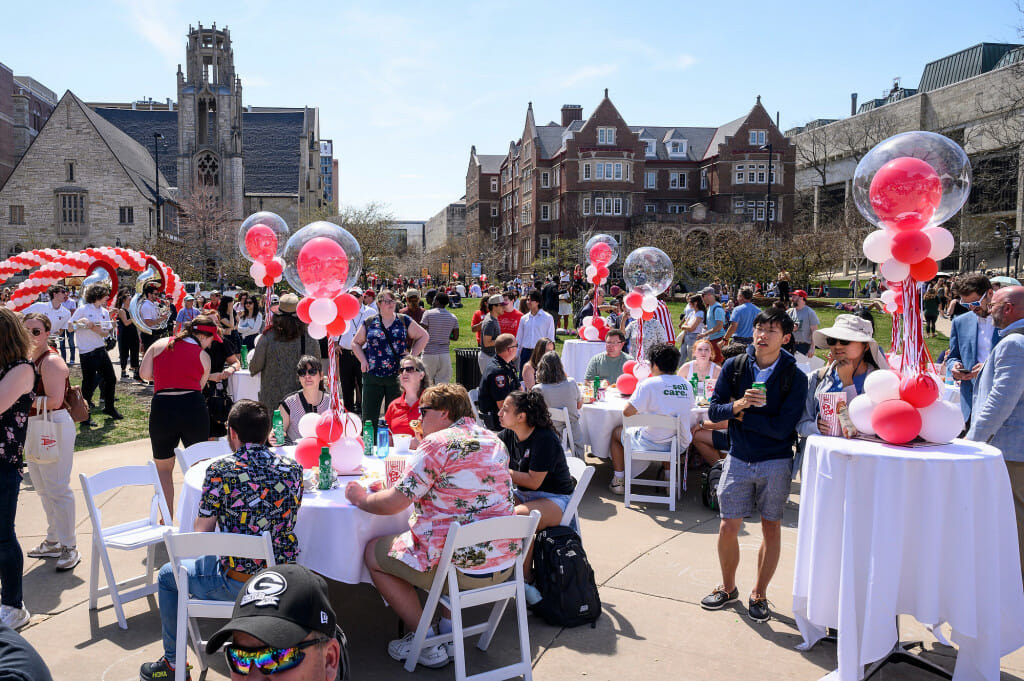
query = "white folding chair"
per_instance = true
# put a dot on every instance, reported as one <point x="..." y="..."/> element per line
<point x="561" y="415"/>
<point x="135" y="534"/>
<point x="579" y="470"/>
<point x="459" y="536"/>
<point x="671" y="457"/>
<point x="200" y="451"/>
<point x="474" y="395"/>
<point x="193" y="545"/>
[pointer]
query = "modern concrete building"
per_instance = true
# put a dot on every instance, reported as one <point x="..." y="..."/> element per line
<point x="449" y="223"/>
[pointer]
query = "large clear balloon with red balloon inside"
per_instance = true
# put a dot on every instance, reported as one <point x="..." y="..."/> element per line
<point x="602" y="250"/>
<point x="648" y="270"/>
<point x="262" y="236"/>
<point x="322" y="260"/>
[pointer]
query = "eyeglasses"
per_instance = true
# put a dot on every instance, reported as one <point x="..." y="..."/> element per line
<point x="37" y="332"/>
<point x="424" y="408"/>
<point x="310" y="371"/>
<point x="267" y="660"/>
<point x="388" y="300"/>
<point x="613" y="342"/>
<point x="405" y="370"/>
<point x="833" y="341"/>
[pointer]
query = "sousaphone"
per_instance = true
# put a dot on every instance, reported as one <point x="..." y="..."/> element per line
<point x="151" y="274"/>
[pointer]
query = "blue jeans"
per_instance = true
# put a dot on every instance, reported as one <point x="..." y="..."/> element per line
<point x="205" y="580"/>
<point x="67" y="340"/>
<point x="12" y="561"/>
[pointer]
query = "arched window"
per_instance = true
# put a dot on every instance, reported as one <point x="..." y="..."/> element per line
<point x="208" y="170"/>
<point x="14" y="250"/>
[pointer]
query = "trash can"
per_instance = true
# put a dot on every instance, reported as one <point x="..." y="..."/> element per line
<point x="467" y="367"/>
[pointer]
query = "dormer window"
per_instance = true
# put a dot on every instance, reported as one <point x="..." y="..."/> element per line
<point x="678" y="148"/>
<point x="606" y="135"/>
<point x="650" y="148"/>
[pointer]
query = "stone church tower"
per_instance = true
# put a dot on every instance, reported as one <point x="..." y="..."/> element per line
<point x="210" y="118"/>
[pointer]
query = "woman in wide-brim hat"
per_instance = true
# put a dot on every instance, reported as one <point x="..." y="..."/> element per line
<point x="853" y="354"/>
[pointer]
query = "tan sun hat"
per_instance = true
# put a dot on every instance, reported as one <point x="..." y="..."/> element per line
<point x="852" y="328"/>
<point x="288" y="303"/>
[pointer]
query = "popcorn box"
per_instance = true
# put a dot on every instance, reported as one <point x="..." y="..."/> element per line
<point x="394" y="468"/>
<point x="828" y="407"/>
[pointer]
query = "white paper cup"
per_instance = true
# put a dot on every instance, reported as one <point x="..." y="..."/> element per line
<point x="402" y="442"/>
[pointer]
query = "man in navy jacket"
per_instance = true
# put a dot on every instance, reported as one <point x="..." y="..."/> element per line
<point x="758" y="469"/>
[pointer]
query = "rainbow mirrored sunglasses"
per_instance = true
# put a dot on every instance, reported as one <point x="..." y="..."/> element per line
<point x="267" y="660"/>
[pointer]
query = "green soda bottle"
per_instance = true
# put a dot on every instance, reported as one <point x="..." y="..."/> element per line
<point x="597" y="387"/>
<point x="278" y="427"/>
<point x="245" y="357"/>
<point x="368" y="438"/>
<point x="326" y="476"/>
<point x="693" y="384"/>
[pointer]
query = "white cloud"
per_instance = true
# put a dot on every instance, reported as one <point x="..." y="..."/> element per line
<point x="150" y="19"/>
<point x="588" y="73"/>
<point x="681" y="62"/>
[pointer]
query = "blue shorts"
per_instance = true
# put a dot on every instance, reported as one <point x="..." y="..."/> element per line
<point x="744" y="485"/>
<point x="639" y="440"/>
<point x="524" y="495"/>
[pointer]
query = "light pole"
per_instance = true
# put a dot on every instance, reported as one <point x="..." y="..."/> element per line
<point x="156" y="152"/>
<point x="1011" y="244"/>
<point x="768" y="179"/>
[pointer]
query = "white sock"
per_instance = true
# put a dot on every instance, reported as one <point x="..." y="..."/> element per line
<point x="444" y="625"/>
<point x="620" y="475"/>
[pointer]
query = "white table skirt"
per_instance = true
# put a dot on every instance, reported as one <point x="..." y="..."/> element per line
<point x="332" y="533"/>
<point x="928" y="532"/>
<point x="576" y="356"/>
<point x="242" y="385"/>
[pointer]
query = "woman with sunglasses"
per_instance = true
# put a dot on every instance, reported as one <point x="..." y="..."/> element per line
<point x="53" y="480"/>
<point x="250" y="321"/>
<point x="854" y="354"/>
<point x="404" y="409"/>
<point x="310" y="399"/>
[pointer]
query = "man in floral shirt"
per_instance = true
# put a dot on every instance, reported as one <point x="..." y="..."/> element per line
<point x="248" y="492"/>
<point x="459" y="473"/>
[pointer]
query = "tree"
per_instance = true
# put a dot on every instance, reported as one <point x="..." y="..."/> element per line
<point x="815" y="149"/>
<point x="371" y="227"/>
<point x="200" y="243"/>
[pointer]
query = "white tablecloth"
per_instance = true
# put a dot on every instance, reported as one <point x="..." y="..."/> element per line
<point x="576" y="355"/>
<point x="244" y="386"/>
<point x="332" y="533"/>
<point x="928" y="532"/>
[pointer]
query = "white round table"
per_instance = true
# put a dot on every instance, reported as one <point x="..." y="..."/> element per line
<point x="332" y="533"/>
<point x="242" y="385"/>
<point x="576" y="356"/>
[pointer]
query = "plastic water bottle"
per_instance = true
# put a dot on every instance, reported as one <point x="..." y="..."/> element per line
<point x="278" y="427"/>
<point x="368" y="438"/>
<point x="326" y="474"/>
<point x="383" y="440"/>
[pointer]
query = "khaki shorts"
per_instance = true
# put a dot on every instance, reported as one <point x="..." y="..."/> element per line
<point x="425" y="580"/>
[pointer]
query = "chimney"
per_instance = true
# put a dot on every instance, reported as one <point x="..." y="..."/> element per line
<point x="853" y="103"/>
<point x="570" y="113"/>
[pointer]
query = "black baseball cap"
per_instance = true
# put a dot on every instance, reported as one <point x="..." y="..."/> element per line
<point x="280" y="606"/>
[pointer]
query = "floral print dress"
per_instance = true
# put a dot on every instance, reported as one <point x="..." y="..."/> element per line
<point x="385" y="346"/>
<point x="14" y="424"/>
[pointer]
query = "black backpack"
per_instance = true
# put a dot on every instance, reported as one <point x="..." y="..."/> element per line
<point x="709" y="484"/>
<point x="565" y="579"/>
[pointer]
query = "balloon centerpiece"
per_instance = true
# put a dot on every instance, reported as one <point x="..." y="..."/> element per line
<point x="602" y="250"/>
<point x="647" y="272"/>
<point x="261" y="239"/>
<point x="907" y="186"/>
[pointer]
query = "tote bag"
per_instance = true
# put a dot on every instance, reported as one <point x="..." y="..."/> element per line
<point x="42" y="443"/>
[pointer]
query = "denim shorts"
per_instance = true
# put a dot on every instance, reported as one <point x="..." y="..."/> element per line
<point x="744" y="485"/>
<point x="640" y="441"/>
<point x="524" y="495"/>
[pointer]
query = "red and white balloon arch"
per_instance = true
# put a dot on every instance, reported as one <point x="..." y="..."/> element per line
<point x="54" y="264"/>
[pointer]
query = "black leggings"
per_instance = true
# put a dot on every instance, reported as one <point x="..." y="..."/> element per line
<point x="177" y="417"/>
<point x="97" y="370"/>
<point x="128" y="347"/>
<point x="929" y="324"/>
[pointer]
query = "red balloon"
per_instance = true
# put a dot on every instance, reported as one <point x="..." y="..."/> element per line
<point x="626" y="384"/>
<point x="602" y="271"/>
<point x="627" y="368"/>
<point x="924" y="270"/>
<point x="307" y="452"/>
<point x="648" y="315"/>
<point x="275" y="268"/>
<point x="348" y="306"/>
<point x="910" y="247"/>
<point x="269" y="280"/>
<point x="600" y="254"/>
<point x="633" y="299"/>
<point x="603" y="333"/>
<point x="599" y="323"/>
<point x="896" y="421"/>
<point x="302" y="309"/>
<point x="905" y="193"/>
<point x="329" y="428"/>
<point x="261" y="242"/>
<point x="920" y="390"/>
<point x="337" y="327"/>
<point x="579" y="332"/>
<point x="323" y="267"/>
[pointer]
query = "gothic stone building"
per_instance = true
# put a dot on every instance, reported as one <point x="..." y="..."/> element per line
<point x="602" y="175"/>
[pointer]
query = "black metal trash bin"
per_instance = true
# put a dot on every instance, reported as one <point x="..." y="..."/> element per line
<point x="467" y="367"/>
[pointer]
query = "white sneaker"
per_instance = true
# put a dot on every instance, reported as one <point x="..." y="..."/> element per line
<point x="45" y="550"/>
<point x="69" y="558"/>
<point x="15" y="618"/>
<point x="617" y="485"/>
<point x="434" y="657"/>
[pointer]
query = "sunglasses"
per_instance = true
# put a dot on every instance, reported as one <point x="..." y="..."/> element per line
<point x="405" y="370"/>
<point x="976" y="303"/>
<point x="425" y="408"/>
<point x="37" y="332"/>
<point x="267" y="660"/>
<point x="833" y="341"/>
<point x="307" y="372"/>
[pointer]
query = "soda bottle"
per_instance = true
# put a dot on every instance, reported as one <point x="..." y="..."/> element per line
<point x="245" y="357"/>
<point x="278" y="427"/>
<point x="326" y="472"/>
<point x="368" y="438"/>
<point x="383" y="440"/>
<point x="597" y="387"/>
<point x="693" y="384"/>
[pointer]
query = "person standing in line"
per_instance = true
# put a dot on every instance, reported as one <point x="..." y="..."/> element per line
<point x="535" y="325"/>
<point x="92" y="321"/>
<point x="442" y="328"/>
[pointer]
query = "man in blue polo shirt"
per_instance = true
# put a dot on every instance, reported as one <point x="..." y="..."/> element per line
<point x="741" y="322"/>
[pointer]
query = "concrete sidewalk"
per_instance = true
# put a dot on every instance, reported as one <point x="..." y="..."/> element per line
<point x="653" y="568"/>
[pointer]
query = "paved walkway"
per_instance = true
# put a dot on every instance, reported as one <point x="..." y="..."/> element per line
<point x="653" y="567"/>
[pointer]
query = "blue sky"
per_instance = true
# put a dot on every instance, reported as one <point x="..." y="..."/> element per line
<point x="405" y="88"/>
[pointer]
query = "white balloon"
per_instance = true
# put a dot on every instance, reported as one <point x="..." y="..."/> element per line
<point x="641" y="371"/>
<point x="636" y="312"/>
<point x="894" y="270"/>
<point x="591" y="271"/>
<point x="882" y="385"/>
<point x="307" y="424"/>
<point x="860" y="409"/>
<point x="317" y="331"/>
<point x="346" y="455"/>
<point x="878" y="246"/>
<point x="891" y="307"/>
<point x="257" y="271"/>
<point x="591" y="333"/>
<point x="888" y="296"/>
<point x="650" y="303"/>
<point x="942" y="242"/>
<point x="323" y="311"/>
<point x="941" y="422"/>
<point x="588" y="320"/>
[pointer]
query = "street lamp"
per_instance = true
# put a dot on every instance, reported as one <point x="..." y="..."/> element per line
<point x="768" y="178"/>
<point x="1011" y="243"/>
<point x="156" y="152"/>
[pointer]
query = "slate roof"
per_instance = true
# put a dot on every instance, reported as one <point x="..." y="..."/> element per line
<point x="962" y="65"/>
<point x="271" y="144"/>
<point x="727" y="130"/>
<point x="697" y="139"/>
<point x="550" y="138"/>
<point x="490" y="163"/>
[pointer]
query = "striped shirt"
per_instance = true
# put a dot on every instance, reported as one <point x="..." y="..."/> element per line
<point x="662" y="315"/>
<point x="439" y="324"/>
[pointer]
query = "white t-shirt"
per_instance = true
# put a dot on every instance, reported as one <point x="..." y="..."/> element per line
<point x="667" y="394"/>
<point x="59" y="317"/>
<point x="149" y="310"/>
<point x="87" y="339"/>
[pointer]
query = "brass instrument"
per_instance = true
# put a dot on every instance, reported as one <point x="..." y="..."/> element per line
<point x="150" y="274"/>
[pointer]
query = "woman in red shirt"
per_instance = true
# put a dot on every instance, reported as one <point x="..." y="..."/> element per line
<point x="413" y="380"/>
